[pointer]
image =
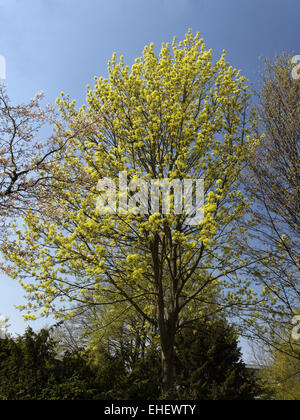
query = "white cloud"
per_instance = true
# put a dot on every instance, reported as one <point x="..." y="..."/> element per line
<point x="3" y="326"/>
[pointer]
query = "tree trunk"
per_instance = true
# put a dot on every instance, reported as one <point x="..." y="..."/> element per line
<point x="167" y="337"/>
<point x="166" y="326"/>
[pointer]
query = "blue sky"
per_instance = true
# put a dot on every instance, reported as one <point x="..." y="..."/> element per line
<point x="60" y="45"/>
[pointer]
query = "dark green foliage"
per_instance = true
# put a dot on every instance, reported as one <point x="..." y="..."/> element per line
<point x="209" y="364"/>
<point x="125" y="378"/>
<point x="144" y="380"/>
<point x="208" y="367"/>
<point x="30" y="369"/>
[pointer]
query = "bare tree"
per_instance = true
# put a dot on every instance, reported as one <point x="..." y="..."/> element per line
<point x="23" y="156"/>
<point x="275" y="183"/>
